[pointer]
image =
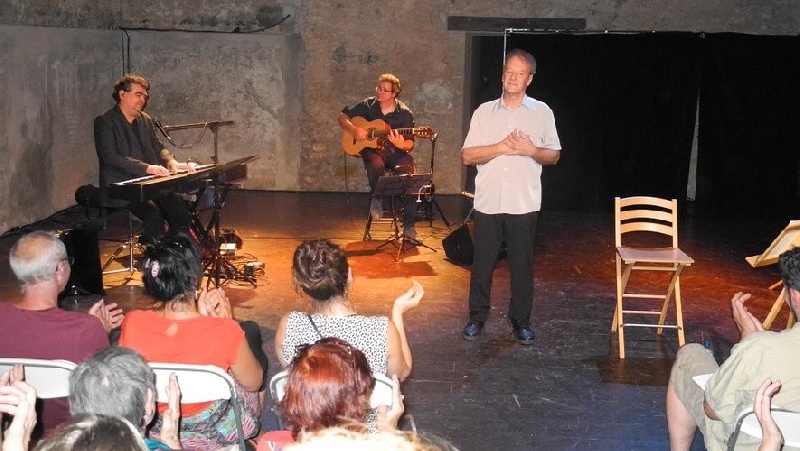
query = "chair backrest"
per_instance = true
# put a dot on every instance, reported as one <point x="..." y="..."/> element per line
<point x="645" y="214"/>
<point x="50" y="378"/>
<point x="788" y="422"/>
<point x="382" y="393"/>
<point x="199" y="383"/>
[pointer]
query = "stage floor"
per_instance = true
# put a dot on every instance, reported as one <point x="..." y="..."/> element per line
<point x="566" y="391"/>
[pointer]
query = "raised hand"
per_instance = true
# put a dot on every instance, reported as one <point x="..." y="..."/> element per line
<point x="109" y="314"/>
<point x="170" y="431"/>
<point x="409" y="299"/>
<point x="19" y="400"/>
<point x="745" y="321"/>
<point x="771" y="437"/>
<point x="214" y="302"/>
<point x="389" y="416"/>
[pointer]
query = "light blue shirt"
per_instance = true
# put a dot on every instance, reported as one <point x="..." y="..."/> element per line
<point x="510" y="183"/>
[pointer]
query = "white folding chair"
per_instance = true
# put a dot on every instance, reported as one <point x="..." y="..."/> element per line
<point x="788" y="422"/>
<point x="50" y="378"/>
<point x="199" y="383"/>
<point x="382" y="393"/>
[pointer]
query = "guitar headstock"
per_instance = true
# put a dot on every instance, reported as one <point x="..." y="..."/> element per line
<point x="424" y="132"/>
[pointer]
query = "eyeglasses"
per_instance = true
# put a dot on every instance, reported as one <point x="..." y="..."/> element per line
<point x="379" y="89"/>
<point x="69" y="259"/>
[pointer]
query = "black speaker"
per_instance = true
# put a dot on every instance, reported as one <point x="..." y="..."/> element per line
<point x="458" y="246"/>
<point x="86" y="276"/>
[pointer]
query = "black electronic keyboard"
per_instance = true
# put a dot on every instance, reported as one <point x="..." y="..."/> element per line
<point x="153" y="186"/>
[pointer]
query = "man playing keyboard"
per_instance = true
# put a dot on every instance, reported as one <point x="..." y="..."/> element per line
<point x="127" y="147"/>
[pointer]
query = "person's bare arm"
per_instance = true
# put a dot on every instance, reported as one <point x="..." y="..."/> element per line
<point x="400" y="358"/>
<point x="246" y="369"/>
<point x="344" y="121"/>
<point x="280" y="336"/>
<point x="483" y="154"/>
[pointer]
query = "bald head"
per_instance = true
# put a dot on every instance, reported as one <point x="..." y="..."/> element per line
<point x="35" y="257"/>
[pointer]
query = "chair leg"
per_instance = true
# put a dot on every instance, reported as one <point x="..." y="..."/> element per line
<point x="776" y="308"/>
<point x="622" y="282"/>
<point x="679" y="313"/>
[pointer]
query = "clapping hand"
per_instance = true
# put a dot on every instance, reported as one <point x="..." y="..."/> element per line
<point x="18" y="399"/>
<point x="214" y="302"/>
<point x="410" y="298"/>
<point x="389" y="416"/>
<point x="110" y="315"/>
<point x="170" y="431"/>
<point x="771" y="437"/>
<point x="745" y="321"/>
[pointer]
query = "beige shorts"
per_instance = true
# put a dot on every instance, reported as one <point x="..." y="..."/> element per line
<point x="692" y="360"/>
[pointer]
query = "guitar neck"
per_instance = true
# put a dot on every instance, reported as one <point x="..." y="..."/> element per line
<point x="381" y="133"/>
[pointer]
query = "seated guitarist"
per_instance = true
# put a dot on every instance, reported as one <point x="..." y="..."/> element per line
<point x="391" y="152"/>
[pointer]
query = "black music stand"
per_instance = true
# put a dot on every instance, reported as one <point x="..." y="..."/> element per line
<point x="217" y="264"/>
<point x="401" y="185"/>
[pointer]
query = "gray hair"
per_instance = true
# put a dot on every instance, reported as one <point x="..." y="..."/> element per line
<point x="527" y="57"/>
<point x="94" y="432"/>
<point x="112" y="382"/>
<point x="34" y="258"/>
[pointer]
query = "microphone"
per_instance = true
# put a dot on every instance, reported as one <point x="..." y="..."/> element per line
<point x="160" y="127"/>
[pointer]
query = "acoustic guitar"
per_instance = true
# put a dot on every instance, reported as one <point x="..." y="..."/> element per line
<point x="377" y="131"/>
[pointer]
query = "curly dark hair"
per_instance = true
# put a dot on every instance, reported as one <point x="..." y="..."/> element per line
<point x="329" y="385"/>
<point x="124" y="84"/>
<point x="172" y="267"/>
<point x="320" y="270"/>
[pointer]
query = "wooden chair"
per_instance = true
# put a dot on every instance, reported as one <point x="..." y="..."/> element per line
<point x="654" y="218"/>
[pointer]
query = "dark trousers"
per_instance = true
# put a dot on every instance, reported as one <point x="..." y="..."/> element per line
<point x="153" y="213"/>
<point x="519" y="232"/>
<point x="377" y="161"/>
<point x="252" y="334"/>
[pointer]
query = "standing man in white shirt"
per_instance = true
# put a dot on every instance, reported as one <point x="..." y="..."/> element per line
<point x="509" y="141"/>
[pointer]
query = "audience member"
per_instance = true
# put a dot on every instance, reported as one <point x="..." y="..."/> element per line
<point x="329" y="384"/>
<point x="118" y="382"/>
<point x="34" y="327"/>
<point x="195" y="325"/>
<point x="759" y="355"/>
<point x="340" y="438"/>
<point x="93" y="432"/>
<point x="320" y="271"/>
<point x="17" y="399"/>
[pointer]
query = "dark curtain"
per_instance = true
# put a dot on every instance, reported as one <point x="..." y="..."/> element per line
<point x="624" y="107"/>
<point x="749" y="127"/>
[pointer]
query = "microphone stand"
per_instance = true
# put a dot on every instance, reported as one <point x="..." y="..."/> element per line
<point x="430" y="201"/>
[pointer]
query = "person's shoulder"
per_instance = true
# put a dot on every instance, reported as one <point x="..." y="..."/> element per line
<point x="108" y="114"/>
<point x="533" y="104"/>
<point x="403" y="107"/>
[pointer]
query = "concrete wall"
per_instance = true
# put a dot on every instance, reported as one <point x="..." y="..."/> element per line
<point x="283" y="84"/>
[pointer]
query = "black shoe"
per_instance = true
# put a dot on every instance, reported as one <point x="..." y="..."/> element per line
<point x="472" y="330"/>
<point x="523" y="333"/>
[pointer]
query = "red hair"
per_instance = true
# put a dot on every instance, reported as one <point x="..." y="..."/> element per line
<point x="329" y="384"/>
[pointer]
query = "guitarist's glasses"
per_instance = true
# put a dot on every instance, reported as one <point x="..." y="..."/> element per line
<point x="379" y="89"/>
